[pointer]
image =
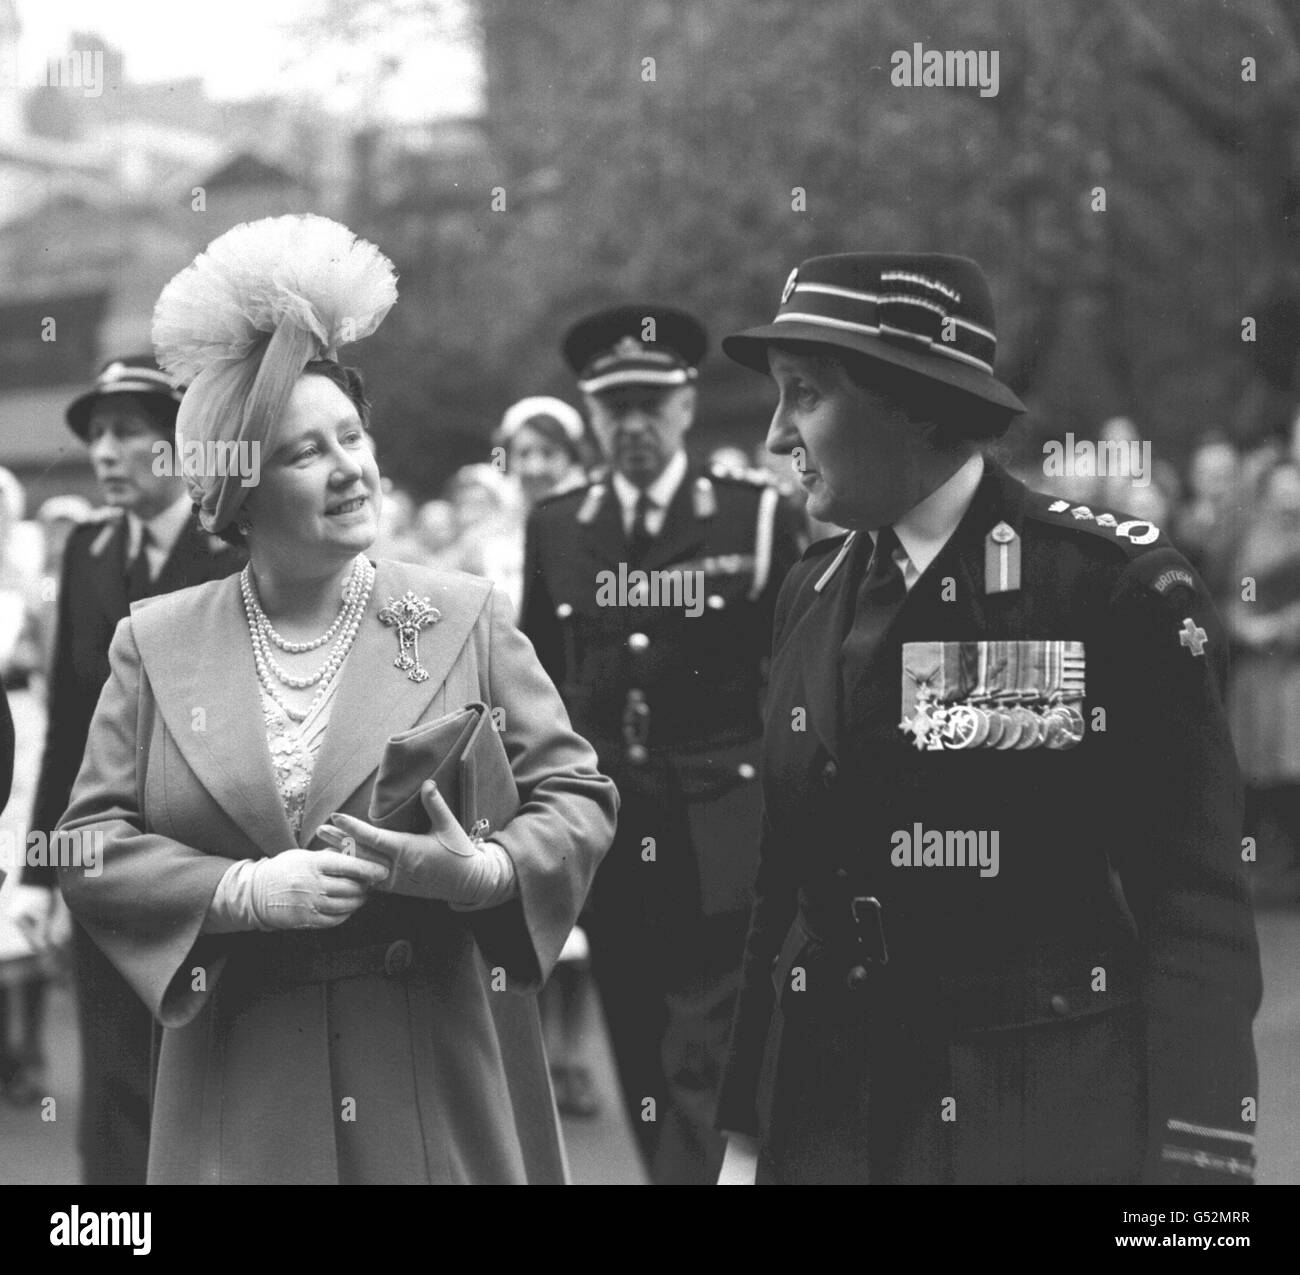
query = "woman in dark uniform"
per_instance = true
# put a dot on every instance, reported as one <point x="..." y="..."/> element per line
<point x="1000" y="930"/>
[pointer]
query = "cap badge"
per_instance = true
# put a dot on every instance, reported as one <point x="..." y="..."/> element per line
<point x="788" y="291"/>
<point x="113" y="371"/>
<point x="628" y="347"/>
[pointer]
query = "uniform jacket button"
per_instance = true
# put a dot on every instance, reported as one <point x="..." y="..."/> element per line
<point x="841" y="874"/>
<point x="1060" y="1006"/>
<point x="830" y="773"/>
<point x="397" y="960"/>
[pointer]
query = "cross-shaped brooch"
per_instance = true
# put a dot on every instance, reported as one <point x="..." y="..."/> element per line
<point x="410" y="615"/>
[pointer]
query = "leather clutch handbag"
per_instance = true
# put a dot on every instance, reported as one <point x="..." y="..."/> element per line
<point x="463" y="754"/>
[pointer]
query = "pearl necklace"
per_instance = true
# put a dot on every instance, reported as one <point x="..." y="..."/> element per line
<point x="268" y="671"/>
<point x="297" y="648"/>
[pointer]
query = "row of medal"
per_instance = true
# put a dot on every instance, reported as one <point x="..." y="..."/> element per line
<point x="1003" y="695"/>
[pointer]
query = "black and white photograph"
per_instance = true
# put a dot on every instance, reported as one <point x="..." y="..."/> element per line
<point x="649" y="592"/>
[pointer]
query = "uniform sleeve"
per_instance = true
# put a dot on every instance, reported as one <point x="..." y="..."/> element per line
<point x="67" y="718"/>
<point x="565" y="821"/>
<point x="776" y="890"/>
<point x="145" y="900"/>
<point x="1182" y="873"/>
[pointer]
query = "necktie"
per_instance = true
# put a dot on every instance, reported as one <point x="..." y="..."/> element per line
<point x="137" y="575"/>
<point x="880" y="595"/>
<point x="638" y="542"/>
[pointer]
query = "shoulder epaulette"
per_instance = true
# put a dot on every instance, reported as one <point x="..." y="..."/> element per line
<point x="1132" y="535"/>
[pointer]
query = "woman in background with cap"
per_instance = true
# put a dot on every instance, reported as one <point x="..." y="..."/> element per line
<point x="981" y="702"/>
<point x="536" y="452"/>
<point x="327" y="1015"/>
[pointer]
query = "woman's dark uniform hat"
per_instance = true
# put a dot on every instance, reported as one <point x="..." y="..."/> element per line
<point x="928" y="313"/>
<point x="608" y="349"/>
<point x="133" y="374"/>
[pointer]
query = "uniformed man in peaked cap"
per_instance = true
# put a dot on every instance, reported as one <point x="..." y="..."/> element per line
<point x="649" y="595"/>
<point x="150" y="543"/>
<point x="1001" y="931"/>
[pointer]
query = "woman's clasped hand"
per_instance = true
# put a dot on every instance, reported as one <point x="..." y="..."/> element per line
<point x="301" y="889"/>
<point x="444" y="863"/>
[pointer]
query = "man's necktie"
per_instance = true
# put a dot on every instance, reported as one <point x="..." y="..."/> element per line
<point x="638" y="541"/>
<point x="137" y="575"/>
<point x="880" y="595"/>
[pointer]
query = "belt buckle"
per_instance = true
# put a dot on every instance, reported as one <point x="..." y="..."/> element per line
<point x="866" y="912"/>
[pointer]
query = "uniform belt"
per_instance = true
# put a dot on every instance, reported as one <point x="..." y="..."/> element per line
<point x="392" y="959"/>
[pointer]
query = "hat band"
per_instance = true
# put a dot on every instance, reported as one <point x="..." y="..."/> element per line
<point x="901" y="336"/>
<point x="141" y="386"/>
<point x="633" y="375"/>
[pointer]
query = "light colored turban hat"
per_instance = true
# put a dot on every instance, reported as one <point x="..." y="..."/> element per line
<point x="242" y="321"/>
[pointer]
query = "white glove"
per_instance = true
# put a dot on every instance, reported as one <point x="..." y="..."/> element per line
<point x="292" y="890"/>
<point x="739" y="1161"/>
<point x="440" y="864"/>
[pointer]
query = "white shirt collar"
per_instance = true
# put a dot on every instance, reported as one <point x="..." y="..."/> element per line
<point x="927" y="527"/>
<point x="164" y="529"/>
<point x="661" y="491"/>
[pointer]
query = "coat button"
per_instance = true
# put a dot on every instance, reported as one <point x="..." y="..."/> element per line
<point x="563" y="611"/>
<point x="857" y="978"/>
<point x="1060" y="1006"/>
<point x="638" y="642"/>
<point x="397" y="960"/>
<point x="830" y="773"/>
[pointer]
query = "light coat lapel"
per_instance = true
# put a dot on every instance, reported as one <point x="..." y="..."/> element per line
<point x="205" y="685"/>
<point x="375" y="699"/>
<point x="209" y="666"/>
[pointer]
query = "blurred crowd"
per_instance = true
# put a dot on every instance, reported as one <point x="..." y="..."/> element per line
<point x="1235" y="513"/>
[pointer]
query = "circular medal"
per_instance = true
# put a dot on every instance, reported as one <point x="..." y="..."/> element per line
<point x="1014" y="728"/>
<point x="997" y="727"/>
<point x="1072" y="725"/>
<point x="1053" y="728"/>
<point x="1032" y="735"/>
<point x="963" y="726"/>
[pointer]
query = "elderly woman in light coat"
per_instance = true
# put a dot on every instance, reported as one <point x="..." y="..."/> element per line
<point x="339" y="1002"/>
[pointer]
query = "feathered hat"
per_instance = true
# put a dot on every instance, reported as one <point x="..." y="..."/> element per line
<point x="241" y="322"/>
